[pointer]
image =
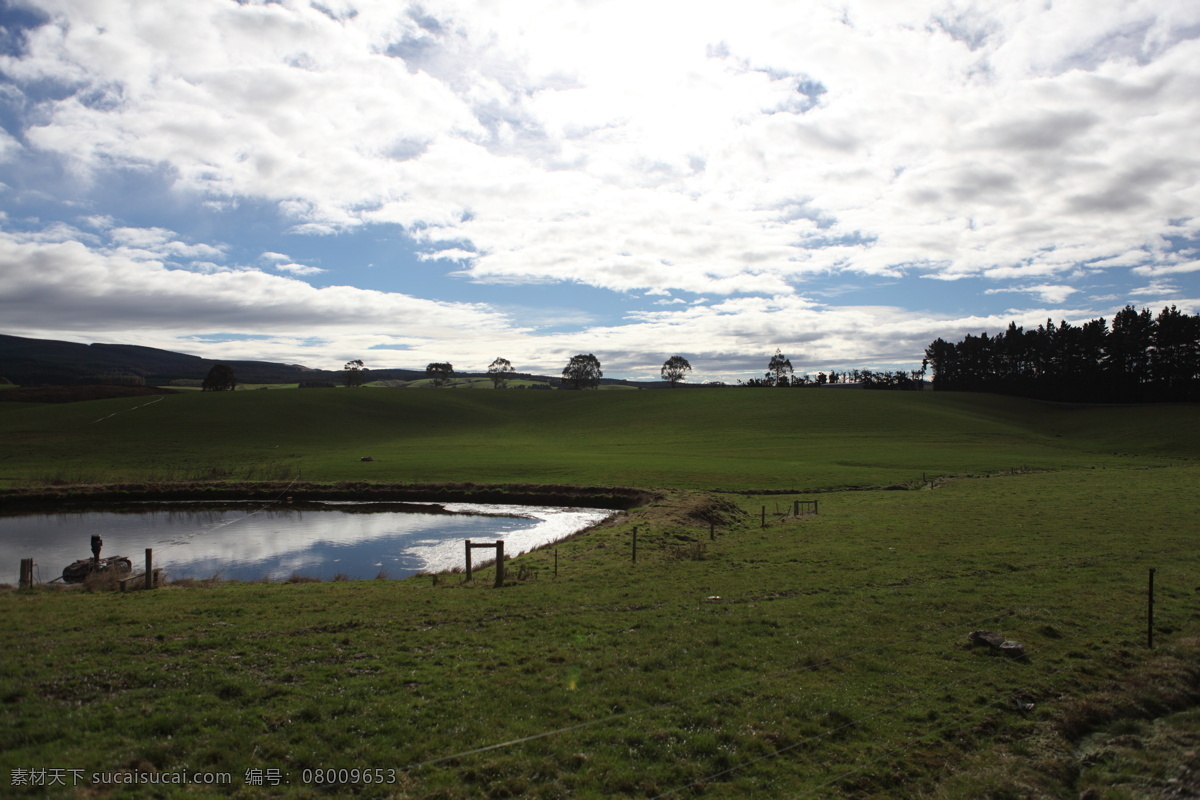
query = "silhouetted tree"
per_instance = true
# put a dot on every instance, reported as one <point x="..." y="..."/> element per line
<point x="439" y="373"/>
<point x="499" y="371"/>
<point x="1140" y="358"/>
<point x="1175" y="361"/>
<point x="582" y="372"/>
<point x="674" y="368"/>
<point x="219" y="379"/>
<point x="352" y="373"/>
<point x="779" y="370"/>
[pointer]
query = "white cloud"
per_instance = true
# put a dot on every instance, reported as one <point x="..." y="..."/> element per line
<point x="735" y="150"/>
<point x="1169" y="269"/>
<point x="449" y="254"/>
<point x="67" y="286"/>
<point x="69" y="290"/>
<point x="158" y="243"/>
<point x="1156" y="289"/>
<point x="959" y="142"/>
<point x="1047" y="293"/>
<point x="299" y="269"/>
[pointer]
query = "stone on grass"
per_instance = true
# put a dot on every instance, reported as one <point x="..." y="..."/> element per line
<point x="997" y="642"/>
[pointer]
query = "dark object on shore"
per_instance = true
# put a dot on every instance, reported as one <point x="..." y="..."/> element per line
<point x="78" y="571"/>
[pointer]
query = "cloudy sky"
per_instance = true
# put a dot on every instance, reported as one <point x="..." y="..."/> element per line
<point x="315" y="182"/>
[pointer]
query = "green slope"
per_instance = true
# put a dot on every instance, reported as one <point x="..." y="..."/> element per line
<point x="710" y="439"/>
<point x="821" y="657"/>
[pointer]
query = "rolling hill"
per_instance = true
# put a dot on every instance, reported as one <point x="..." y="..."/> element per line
<point x="39" y="362"/>
<point x="702" y="439"/>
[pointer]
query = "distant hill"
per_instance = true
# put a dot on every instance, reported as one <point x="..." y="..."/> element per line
<point x="47" y="362"/>
<point x="33" y="362"/>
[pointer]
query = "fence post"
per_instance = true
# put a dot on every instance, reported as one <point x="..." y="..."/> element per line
<point x="26" y="579"/>
<point x="149" y="568"/>
<point x="816" y="510"/>
<point x="795" y="508"/>
<point x="764" y="517"/>
<point x="499" y="563"/>
<point x="1150" y="611"/>
<point x="468" y="559"/>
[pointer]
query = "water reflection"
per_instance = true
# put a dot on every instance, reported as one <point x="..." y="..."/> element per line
<point x="249" y="544"/>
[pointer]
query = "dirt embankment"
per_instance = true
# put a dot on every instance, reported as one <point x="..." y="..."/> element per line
<point x="33" y="499"/>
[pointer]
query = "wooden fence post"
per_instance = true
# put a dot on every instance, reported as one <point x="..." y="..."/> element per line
<point x="149" y="568"/>
<point x="795" y="508"/>
<point x="468" y="559"/>
<point x="764" y="517"/>
<point x="499" y="563"/>
<point x="26" y="579"/>
<point x="815" y="510"/>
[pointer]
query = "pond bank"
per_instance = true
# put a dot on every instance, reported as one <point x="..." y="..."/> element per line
<point x="57" y="498"/>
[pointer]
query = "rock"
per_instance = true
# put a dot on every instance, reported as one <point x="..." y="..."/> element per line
<point x="79" y="570"/>
<point x="998" y="642"/>
<point x="1014" y="649"/>
<point x="986" y="637"/>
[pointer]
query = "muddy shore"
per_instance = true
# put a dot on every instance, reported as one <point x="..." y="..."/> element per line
<point x="80" y="497"/>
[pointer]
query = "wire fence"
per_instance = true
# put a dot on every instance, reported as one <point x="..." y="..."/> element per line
<point x="957" y="722"/>
<point x="995" y="664"/>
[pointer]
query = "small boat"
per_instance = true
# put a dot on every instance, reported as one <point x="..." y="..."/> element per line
<point x="78" y="571"/>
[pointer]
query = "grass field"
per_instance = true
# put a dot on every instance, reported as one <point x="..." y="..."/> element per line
<point x="728" y="439"/>
<point x="821" y="656"/>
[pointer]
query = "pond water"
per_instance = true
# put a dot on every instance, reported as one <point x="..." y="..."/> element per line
<point x="273" y="543"/>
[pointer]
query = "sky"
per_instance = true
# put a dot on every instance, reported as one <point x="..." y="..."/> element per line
<point x="316" y="182"/>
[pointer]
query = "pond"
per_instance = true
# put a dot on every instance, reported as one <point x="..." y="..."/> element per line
<point x="253" y="543"/>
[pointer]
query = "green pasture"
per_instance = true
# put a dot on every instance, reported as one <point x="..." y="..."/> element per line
<point x="820" y="656"/>
<point x="723" y="438"/>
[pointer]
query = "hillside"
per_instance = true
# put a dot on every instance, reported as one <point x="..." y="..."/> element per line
<point x="824" y="655"/>
<point x="701" y="439"/>
<point x="43" y="361"/>
<point x="38" y="362"/>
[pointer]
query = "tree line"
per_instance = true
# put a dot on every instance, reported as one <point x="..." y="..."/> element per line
<point x="1139" y="358"/>
<point x="583" y="371"/>
<point x="780" y="374"/>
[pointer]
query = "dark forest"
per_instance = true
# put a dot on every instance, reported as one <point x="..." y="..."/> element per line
<point x="1139" y="358"/>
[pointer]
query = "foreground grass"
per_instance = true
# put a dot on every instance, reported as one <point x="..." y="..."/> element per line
<point x="818" y="657"/>
<point x="727" y="439"/>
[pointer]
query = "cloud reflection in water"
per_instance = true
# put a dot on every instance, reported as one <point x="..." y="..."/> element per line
<point x="275" y="544"/>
